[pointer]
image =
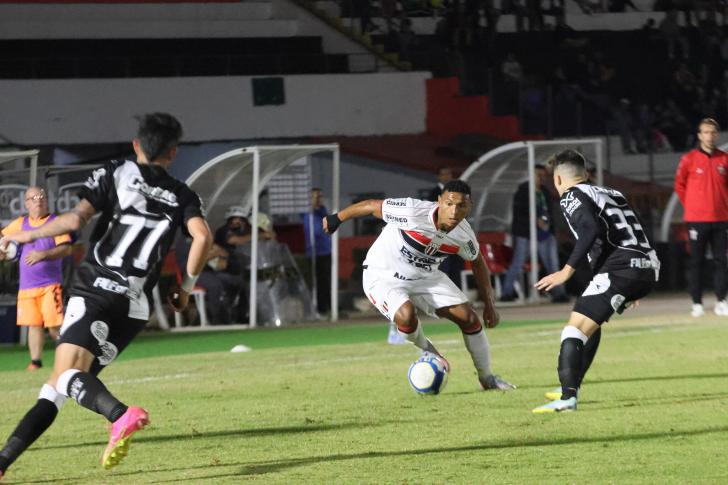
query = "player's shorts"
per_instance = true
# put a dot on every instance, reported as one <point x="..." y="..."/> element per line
<point x="388" y="292"/>
<point x="607" y="294"/>
<point x="38" y="307"/>
<point x="101" y="325"/>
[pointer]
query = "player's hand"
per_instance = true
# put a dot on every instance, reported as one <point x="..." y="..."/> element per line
<point x="34" y="257"/>
<point x="331" y="223"/>
<point x="178" y="298"/>
<point x="491" y="318"/>
<point x="547" y="283"/>
<point x="633" y="304"/>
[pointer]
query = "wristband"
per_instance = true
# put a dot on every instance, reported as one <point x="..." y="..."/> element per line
<point x="188" y="282"/>
<point x="333" y="222"/>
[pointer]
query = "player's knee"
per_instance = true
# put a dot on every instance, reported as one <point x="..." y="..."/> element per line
<point x="470" y="324"/>
<point x="50" y="393"/>
<point x="62" y="381"/>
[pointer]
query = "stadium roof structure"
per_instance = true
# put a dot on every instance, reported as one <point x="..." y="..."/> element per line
<point x="497" y="174"/>
<point x="238" y="176"/>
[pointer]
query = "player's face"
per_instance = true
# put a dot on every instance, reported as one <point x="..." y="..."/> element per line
<point x="36" y="202"/>
<point x="708" y="136"/>
<point x="454" y="207"/>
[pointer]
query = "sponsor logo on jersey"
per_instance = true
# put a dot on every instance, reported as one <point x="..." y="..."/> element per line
<point x="159" y="194"/>
<point x="395" y="202"/>
<point x="641" y="263"/>
<point x="721" y="169"/>
<point x="396" y="219"/>
<point x="417" y="261"/>
<point x="570" y="203"/>
<point x="471" y="248"/>
<point x="114" y="287"/>
<point x="95" y="179"/>
<point x="617" y="302"/>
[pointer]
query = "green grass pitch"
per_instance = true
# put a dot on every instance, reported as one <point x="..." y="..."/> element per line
<point x="332" y="405"/>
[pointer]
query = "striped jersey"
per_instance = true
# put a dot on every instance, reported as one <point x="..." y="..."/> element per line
<point x="608" y="232"/>
<point x="140" y="208"/>
<point x="411" y="246"/>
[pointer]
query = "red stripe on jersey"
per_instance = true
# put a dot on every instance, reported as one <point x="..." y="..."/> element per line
<point x="422" y="239"/>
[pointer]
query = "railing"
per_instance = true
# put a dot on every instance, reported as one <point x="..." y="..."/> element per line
<point x="175" y="66"/>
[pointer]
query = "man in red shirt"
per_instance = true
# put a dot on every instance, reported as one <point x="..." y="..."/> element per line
<point x="701" y="183"/>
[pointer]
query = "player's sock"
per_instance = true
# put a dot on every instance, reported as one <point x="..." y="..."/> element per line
<point x="417" y="337"/>
<point x="37" y="362"/>
<point x="87" y="390"/>
<point x="590" y="351"/>
<point x="570" y="360"/>
<point x="33" y="424"/>
<point x="479" y="348"/>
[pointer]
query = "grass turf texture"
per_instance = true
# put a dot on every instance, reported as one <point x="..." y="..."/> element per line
<point x="332" y="405"/>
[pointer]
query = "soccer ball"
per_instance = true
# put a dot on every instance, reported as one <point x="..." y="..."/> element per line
<point x="11" y="251"/>
<point x="427" y="375"/>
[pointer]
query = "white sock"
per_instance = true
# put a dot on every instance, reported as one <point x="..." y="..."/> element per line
<point x="479" y="348"/>
<point x="418" y="338"/>
<point x="49" y="393"/>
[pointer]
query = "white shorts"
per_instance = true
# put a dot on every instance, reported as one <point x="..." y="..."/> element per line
<point x="388" y="293"/>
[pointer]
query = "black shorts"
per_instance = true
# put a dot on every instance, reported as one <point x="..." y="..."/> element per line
<point x="607" y="294"/>
<point x="100" y="323"/>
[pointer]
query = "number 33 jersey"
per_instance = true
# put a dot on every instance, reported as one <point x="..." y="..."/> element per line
<point x="608" y="232"/>
<point x="411" y="247"/>
<point x="140" y="206"/>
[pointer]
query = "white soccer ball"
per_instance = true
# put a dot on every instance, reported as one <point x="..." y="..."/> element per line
<point x="428" y="375"/>
<point x="11" y="251"/>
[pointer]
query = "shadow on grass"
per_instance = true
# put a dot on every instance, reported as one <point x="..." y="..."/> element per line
<point x="229" y="433"/>
<point x="658" y="378"/>
<point x="281" y="465"/>
<point x="273" y="466"/>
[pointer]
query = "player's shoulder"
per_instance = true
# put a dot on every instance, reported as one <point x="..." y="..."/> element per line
<point x="16" y="225"/>
<point x="465" y="229"/>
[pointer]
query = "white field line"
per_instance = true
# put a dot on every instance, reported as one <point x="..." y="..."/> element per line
<point x="544" y="337"/>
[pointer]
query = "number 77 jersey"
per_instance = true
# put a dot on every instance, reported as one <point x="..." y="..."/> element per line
<point x="608" y="232"/>
<point x="141" y="207"/>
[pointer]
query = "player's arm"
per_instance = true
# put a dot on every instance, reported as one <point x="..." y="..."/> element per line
<point x="196" y="259"/>
<point x="584" y="221"/>
<point x="485" y="291"/>
<point x="74" y="220"/>
<point x="371" y="207"/>
<point x="58" y="252"/>
<point x="681" y="179"/>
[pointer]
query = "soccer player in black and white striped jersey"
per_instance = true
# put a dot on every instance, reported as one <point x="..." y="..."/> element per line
<point x="624" y="264"/>
<point x="140" y="208"/>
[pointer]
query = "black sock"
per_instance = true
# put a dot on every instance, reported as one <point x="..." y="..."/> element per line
<point x="33" y="424"/>
<point x="590" y="351"/>
<point x="91" y="393"/>
<point x="37" y="362"/>
<point x="570" y="359"/>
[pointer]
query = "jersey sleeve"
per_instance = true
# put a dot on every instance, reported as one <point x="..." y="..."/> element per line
<point x="13" y="227"/>
<point x="401" y="212"/>
<point x="582" y="218"/>
<point x="191" y="207"/>
<point x="97" y="188"/>
<point x="471" y="248"/>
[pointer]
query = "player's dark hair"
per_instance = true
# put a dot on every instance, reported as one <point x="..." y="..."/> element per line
<point x="709" y="121"/>
<point x="158" y="133"/>
<point x="568" y="157"/>
<point x="540" y="166"/>
<point x="458" y="186"/>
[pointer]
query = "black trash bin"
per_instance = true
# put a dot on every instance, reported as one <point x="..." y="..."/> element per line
<point x="9" y="332"/>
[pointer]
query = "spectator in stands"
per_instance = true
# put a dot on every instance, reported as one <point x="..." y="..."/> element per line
<point x="40" y="300"/>
<point x="701" y="183"/>
<point x="221" y="287"/>
<point x="520" y="228"/>
<point x="318" y="249"/>
<point x="512" y="69"/>
<point x="622" y="124"/>
<point x="444" y="175"/>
